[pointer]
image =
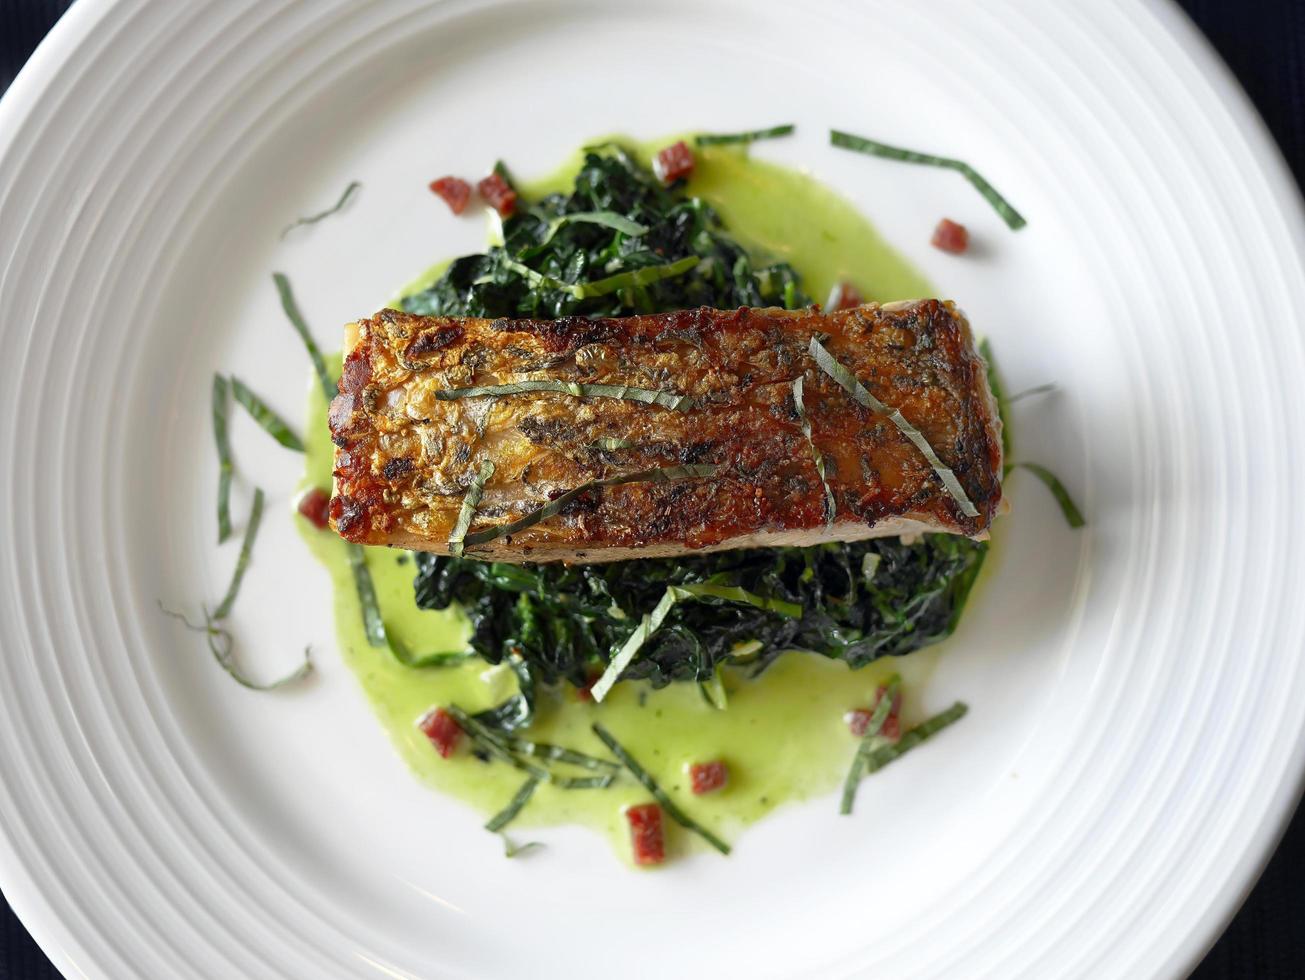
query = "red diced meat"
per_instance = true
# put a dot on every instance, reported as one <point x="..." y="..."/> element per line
<point x="844" y="296"/>
<point x="951" y="237"/>
<point x="315" y="505"/>
<point x="455" y="191"/>
<point x="442" y="730"/>
<point x="498" y="194"/>
<point x="674" y="162"/>
<point x="892" y="729"/>
<point x="858" y="719"/>
<point x="707" y="777"/>
<point x="646" y="833"/>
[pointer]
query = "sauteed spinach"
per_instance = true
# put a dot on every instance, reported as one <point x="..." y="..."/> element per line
<point x="620" y="243"/>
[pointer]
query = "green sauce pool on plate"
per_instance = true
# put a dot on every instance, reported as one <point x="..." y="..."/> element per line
<point x="783" y="734"/>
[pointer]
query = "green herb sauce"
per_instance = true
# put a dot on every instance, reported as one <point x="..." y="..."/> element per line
<point x="783" y="734"/>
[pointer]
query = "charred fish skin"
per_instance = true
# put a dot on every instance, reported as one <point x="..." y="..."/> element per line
<point x="706" y="396"/>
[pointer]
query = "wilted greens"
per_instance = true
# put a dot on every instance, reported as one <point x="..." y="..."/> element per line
<point x="859" y="602"/>
<point x="673" y="618"/>
<point x="619" y="243"/>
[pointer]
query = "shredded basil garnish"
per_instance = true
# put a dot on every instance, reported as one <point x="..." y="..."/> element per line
<point x="831" y="505"/>
<point x="511" y="850"/>
<point x="301" y="327"/>
<point x="751" y="136"/>
<point x="642" y="276"/>
<point x="732" y="593"/>
<point x="312" y="219"/>
<point x="265" y="417"/>
<point x="1073" y="516"/>
<point x="535" y="278"/>
<point x="652" y="622"/>
<point x="493" y="742"/>
<point x="373" y="625"/>
<point x="518" y="802"/>
<point x="556" y="753"/>
<point x="581" y="782"/>
<point x="219" y="640"/>
<point x="606" y="219"/>
<point x="221" y="646"/>
<point x="553" y="507"/>
<point x="518" y="710"/>
<point x="863" y="145"/>
<point x="650" y="784"/>
<point x="648" y="396"/>
<point x="649" y="625"/>
<point x="225" y="467"/>
<point x="868" y="741"/>
<point x="418" y="661"/>
<point x="499" y="746"/>
<point x="885" y="754"/>
<point x="849" y="383"/>
<point x="868" y="762"/>
<point x="242" y="561"/>
<point x="1032" y="392"/>
<point x="469" y="504"/>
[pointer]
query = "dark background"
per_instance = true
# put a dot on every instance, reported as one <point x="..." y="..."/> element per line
<point x="1263" y="41"/>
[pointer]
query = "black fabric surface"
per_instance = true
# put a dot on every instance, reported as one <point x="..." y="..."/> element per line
<point x="1263" y="41"/>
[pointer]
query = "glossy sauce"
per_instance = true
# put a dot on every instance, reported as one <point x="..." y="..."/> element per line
<point x="783" y="734"/>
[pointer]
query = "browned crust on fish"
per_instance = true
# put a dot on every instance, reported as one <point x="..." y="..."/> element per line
<point x="404" y="458"/>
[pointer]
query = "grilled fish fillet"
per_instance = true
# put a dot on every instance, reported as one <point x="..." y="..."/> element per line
<point x="724" y="436"/>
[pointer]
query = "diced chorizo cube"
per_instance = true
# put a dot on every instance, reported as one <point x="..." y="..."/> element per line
<point x="646" y="837"/>
<point x="673" y="162"/>
<point x="707" y="777"/>
<point x="315" y="505"/>
<point x="498" y="194"/>
<point x="858" y="719"/>
<point x="442" y="730"/>
<point x="455" y="191"/>
<point x="951" y="237"/>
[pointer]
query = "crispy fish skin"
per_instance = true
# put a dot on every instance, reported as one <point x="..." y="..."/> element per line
<point x="405" y="457"/>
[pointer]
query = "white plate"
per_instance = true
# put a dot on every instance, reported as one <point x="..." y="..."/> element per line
<point x="1134" y="747"/>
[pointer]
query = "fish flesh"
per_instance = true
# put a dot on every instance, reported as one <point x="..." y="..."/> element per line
<point x="588" y="440"/>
